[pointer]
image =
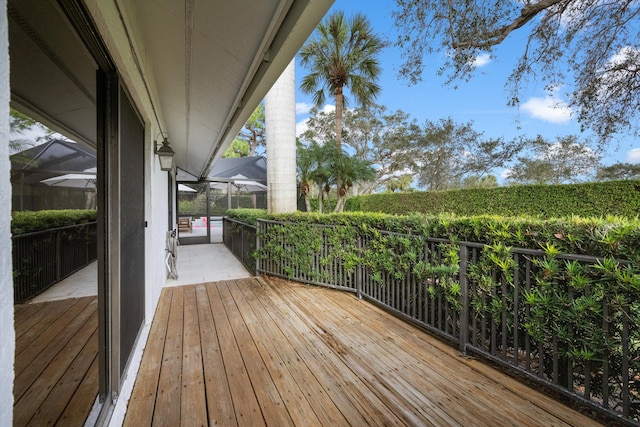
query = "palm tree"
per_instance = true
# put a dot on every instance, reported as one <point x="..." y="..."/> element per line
<point x="306" y="162"/>
<point x="321" y="164"/>
<point x="352" y="169"/>
<point x="342" y="53"/>
<point x="315" y="165"/>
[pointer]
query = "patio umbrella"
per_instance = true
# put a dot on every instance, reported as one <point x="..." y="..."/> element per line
<point x="183" y="188"/>
<point x="249" y="186"/>
<point x="242" y="183"/>
<point x="72" y="180"/>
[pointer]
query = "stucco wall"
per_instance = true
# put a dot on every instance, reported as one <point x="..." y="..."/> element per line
<point x="156" y="207"/>
<point x="7" y="331"/>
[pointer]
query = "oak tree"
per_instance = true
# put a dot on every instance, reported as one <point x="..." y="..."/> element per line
<point x="592" y="46"/>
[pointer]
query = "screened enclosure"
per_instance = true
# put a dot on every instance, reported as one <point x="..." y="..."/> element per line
<point x="232" y="183"/>
<point x="34" y="170"/>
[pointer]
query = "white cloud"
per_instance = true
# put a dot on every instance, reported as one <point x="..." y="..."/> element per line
<point x="621" y="68"/>
<point x="328" y="108"/>
<point x="482" y="60"/>
<point x="301" y="127"/>
<point x="550" y="109"/>
<point x="303" y="107"/>
<point x="633" y="155"/>
<point x="506" y="173"/>
<point x="627" y="56"/>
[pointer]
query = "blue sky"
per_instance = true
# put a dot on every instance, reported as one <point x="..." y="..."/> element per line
<point x="482" y="100"/>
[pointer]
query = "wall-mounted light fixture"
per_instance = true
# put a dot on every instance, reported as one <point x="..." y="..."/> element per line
<point x="165" y="154"/>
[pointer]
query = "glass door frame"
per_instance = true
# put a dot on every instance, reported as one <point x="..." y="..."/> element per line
<point x="198" y="239"/>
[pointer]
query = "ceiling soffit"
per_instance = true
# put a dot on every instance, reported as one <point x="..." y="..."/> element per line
<point x="52" y="73"/>
<point x="208" y="62"/>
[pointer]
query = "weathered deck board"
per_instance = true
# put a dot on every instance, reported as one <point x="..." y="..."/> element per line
<point x="245" y="402"/>
<point x="219" y="402"/>
<point x="193" y="393"/>
<point x="56" y="362"/>
<point x="144" y="396"/>
<point x="301" y="390"/>
<point x="275" y="352"/>
<point x="167" y="406"/>
<point x="344" y="388"/>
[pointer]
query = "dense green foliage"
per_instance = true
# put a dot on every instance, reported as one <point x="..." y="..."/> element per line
<point x="329" y="205"/>
<point x="621" y="198"/>
<point x="250" y="138"/>
<point x="30" y="221"/>
<point x="616" y="237"/>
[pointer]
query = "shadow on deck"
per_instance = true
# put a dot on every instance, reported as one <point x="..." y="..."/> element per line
<point x="265" y="351"/>
<point x="56" y="363"/>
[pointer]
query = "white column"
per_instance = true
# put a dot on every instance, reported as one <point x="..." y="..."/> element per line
<point x="280" y="121"/>
<point x="7" y="331"/>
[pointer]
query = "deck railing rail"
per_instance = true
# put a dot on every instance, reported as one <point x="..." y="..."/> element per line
<point x="483" y="308"/>
<point x="43" y="258"/>
<point x="240" y="239"/>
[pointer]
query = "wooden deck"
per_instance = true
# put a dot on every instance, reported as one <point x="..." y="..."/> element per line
<point x="265" y="351"/>
<point x="56" y="364"/>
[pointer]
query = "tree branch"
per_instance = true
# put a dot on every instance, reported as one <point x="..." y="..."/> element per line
<point x="497" y="36"/>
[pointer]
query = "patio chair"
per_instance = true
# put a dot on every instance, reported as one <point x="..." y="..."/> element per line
<point x="184" y="224"/>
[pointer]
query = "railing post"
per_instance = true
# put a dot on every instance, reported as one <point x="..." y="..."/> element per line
<point x="359" y="269"/>
<point x="87" y="241"/>
<point x="243" y="254"/>
<point x="464" y="299"/>
<point x="258" y="259"/>
<point x="58" y="254"/>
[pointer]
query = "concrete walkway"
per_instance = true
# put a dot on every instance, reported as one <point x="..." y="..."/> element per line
<point x="206" y="263"/>
<point x="82" y="283"/>
<point x="195" y="264"/>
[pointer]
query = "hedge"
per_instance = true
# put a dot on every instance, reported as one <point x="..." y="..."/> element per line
<point x="23" y="222"/>
<point x="620" y="198"/>
<point x="618" y="237"/>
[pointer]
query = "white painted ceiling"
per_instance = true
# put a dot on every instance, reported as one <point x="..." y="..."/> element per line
<point x="207" y="63"/>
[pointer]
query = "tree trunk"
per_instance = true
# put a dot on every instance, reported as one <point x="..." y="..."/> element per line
<point x="305" y="189"/>
<point x="320" y="197"/>
<point x="340" y="204"/>
<point x="339" y="109"/>
<point x="307" y="203"/>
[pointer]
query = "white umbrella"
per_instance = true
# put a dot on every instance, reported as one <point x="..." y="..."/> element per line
<point x="184" y="188"/>
<point x="242" y="183"/>
<point x="246" y="185"/>
<point x="72" y="180"/>
<point x="249" y="186"/>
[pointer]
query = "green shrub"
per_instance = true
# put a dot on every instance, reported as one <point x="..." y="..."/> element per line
<point x="24" y="222"/>
<point x="329" y="204"/>
<point x="617" y="237"/>
<point x="249" y="216"/>
<point x="620" y="198"/>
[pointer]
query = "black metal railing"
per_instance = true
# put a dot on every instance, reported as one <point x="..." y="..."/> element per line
<point x="542" y="315"/>
<point x="240" y="239"/>
<point x="43" y="258"/>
